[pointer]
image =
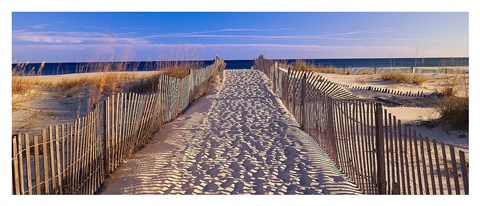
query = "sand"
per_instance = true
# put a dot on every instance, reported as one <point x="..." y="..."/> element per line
<point x="238" y="139"/>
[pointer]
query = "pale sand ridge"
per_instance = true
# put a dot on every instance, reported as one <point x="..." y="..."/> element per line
<point x="239" y="140"/>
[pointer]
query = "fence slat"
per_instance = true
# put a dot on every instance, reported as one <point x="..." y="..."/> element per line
<point x="412" y="160"/>
<point x="107" y="134"/>
<point x="439" y="172"/>
<point x="401" y="154"/>
<point x="371" y="146"/>
<point x="81" y="165"/>
<point x="121" y="127"/>
<point x="447" y="171"/>
<point x="430" y="163"/>
<point x="16" y="179"/>
<point x="37" y="165"/>
<point x="52" y="160"/>
<point x="454" y="168"/>
<point x="388" y="153"/>
<point x="424" y="167"/>
<point x="75" y="144"/>
<point x="71" y="156"/>
<point x="419" y="175"/>
<point x="20" y="159"/>
<point x="45" y="161"/>
<point x="380" y="150"/>
<point x="463" y="166"/>
<point x="28" y="158"/>
<point x="405" y="156"/>
<point x="59" y="169"/>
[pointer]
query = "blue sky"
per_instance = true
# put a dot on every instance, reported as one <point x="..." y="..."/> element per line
<point x="105" y="36"/>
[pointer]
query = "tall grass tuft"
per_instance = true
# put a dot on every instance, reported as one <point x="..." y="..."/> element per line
<point x="177" y="72"/>
<point x="399" y="77"/>
<point x="301" y="65"/>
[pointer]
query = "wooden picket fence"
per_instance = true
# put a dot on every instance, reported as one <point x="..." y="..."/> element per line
<point x="75" y="158"/>
<point x="65" y="159"/>
<point x="393" y="91"/>
<point x="379" y="153"/>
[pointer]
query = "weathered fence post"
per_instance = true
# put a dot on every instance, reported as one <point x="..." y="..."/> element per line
<point x="463" y="167"/>
<point x="380" y="150"/>
<point x="303" y="100"/>
<point x="287" y="88"/>
<point x="274" y="79"/>
<point x="104" y="139"/>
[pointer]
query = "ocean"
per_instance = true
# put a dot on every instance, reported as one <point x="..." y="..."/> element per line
<point x="80" y="67"/>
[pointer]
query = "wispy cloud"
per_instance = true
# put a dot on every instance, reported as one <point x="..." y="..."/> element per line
<point x="49" y="37"/>
<point x="371" y="31"/>
<point x="349" y="36"/>
<point x="415" y="40"/>
<point x="39" y="26"/>
<point x="73" y="37"/>
<point x="226" y="36"/>
<point x="187" y="34"/>
<point x="118" y="28"/>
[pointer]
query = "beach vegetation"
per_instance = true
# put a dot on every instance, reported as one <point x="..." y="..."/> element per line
<point x="327" y="69"/>
<point x="399" y="77"/>
<point x="20" y="86"/>
<point x="145" y="85"/>
<point x="367" y="72"/>
<point x="301" y="65"/>
<point x="418" y="79"/>
<point x="177" y="72"/>
<point x="454" y="113"/>
<point x="453" y="108"/>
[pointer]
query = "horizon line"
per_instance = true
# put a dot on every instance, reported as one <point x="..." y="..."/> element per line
<point x="66" y="62"/>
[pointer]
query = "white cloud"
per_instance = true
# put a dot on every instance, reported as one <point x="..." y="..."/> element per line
<point x="45" y="39"/>
<point x="371" y="31"/>
<point x="259" y="36"/>
<point x="73" y="38"/>
<point x="39" y="26"/>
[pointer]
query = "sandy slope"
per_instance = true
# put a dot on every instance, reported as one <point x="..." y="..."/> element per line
<point x="239" y="140"/>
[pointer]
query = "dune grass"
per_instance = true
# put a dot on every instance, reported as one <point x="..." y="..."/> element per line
<point x="399" y="77"/>
<point x="301" y="65"/>
<point x="177" y="72"/>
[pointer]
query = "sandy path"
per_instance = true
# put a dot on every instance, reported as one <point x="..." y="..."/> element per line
<point x="239" y="140"/>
